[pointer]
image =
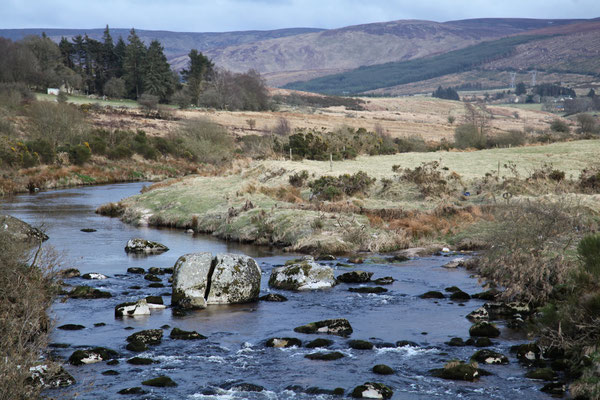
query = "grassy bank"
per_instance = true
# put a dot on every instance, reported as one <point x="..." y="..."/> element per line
<point x="417" y="198"/>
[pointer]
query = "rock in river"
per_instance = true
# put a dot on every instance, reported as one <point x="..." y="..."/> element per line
<point x="340" y="327"/>
<point x="355" y="277"/>
<point x="149" y="336"/>
<point x="458" y="371"/>
<point x="132" y="309"/>
<point x="304" y="275"/>
<point x="484" y="329"/>
<point x="372" y="390"/>
<point x="21" y="231"/>
<point x="274" y="297"/>
<point x="283" y="342"/>
<point x="180" y="334"/>
<point x="489" y="357"/>
<point x="200" y="279"/>
<point x="143" y="246"/>
<point x="90" y="356"/>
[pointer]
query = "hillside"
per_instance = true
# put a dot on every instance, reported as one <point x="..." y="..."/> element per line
<point x="175" y="43"/>
<point x="316" y="54"/>
<point x="572" y="48"/>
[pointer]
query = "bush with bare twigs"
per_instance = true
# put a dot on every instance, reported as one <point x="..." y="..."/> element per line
<point x="27" y="289"/>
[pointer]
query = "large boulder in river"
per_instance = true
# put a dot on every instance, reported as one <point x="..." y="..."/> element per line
<point x="143" y="246"/>
<point x="303" y="275"/>
<point x="20" y="231"/>
<point x="200" y="279"/>
<point x="235" y="279"/>
<point x="339" y="326"/>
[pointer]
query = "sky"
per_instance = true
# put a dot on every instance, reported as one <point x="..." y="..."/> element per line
<point x="234" y="15"/>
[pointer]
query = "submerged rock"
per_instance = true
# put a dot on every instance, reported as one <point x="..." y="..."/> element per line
<point x="304" y="275"/>
<point x="91" y="356"/>
<point x="372" y="390"/>
<point x="50" y="377"/>
<point x="334" y="355"/>
<point x="459" y="295"/>
<point x="132" y="390"/>
<point x="94" y="275"/>
<point x="199" y="279"/>
<point x="528" y="353"/>
<point x="555" y="388"/>
<point x="132" y="309"/>
<point x="489" y="357"/>
<point x="86" y="292"/>
<point x="71" y="327"/>
<point x="355" y="277"/>
<point x="360" y="345"/>
<point x="386" y="280"/>
<point x="458" y="371"/>
<point x="136" y="270"/>
<point x="489" y="295"/>
<point x="403" y="343"/>
<point x="320" y="342"/>
<point x="368" y="289"/>
<point x="316" y="390"/>
<point x="161" y="381"/>
<point x="143" y="246"/>
<point x="242" y="387"/>
<point x="180" y="334"/>
<point x="433" y="294"/>
<point x="140" y="361"/>
<point x="543" y="374"/>
<point x="456" y="342"/>
<point x="382" y="369"/>
<point x="148" y="336"/>
<point x="283" y="342"/>
<point x="485" y="329"/>
<point x="340" y="327"/>
<point x="274" y="297"/>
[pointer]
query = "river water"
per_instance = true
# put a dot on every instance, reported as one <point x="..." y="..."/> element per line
<point x="234" y="351"/>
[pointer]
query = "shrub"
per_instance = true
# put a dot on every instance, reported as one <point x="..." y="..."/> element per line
<point x="148" y="102"/>
<point x="119" y="152"/>
<point x="182" y="99"/>
<point x="27" y="289"/>
<point x="507" y="139"/>
<point x="523" y="243"/>
<point x="283" y="127"/>
<point x="468" y="136"/>
<point x="428" y="177"/>
<point x="588" y="251"/>
<point x="298" y="179"/>
<point x="98" y="145"/>
<point x="558" y="125"/>
<point x="332" y="188"/>
<point x="62" y="97"/>
<point x="587" y="123"/>
<point x="55" y="122"/>
<point x="589" y="180"/>
<point x="115" y="88"/>
<point x="44" y="149"/>
<point x="207" y="142"/>
<point x="79" y="154"/>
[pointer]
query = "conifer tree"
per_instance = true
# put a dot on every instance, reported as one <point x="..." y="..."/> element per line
<point x="133" y="64"/>
<point x="158" y="79"/>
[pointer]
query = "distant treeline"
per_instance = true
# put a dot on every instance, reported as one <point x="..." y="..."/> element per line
<point x="127" y="70"/>
<point x="397" y="73"/>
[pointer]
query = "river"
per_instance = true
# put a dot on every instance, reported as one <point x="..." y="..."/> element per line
<point x="235" y="350"/>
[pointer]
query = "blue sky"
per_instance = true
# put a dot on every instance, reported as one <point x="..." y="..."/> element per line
<point x="228" y="15"/>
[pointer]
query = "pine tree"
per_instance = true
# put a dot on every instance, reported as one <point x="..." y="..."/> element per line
<point x="120" y="50"/>
<point x="158" y="79"/>
<point x="108" y="54"/>
<point x="133" y="64"/>
<point x="200" y="69"/>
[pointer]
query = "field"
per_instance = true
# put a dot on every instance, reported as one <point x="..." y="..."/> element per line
<point x="399" y="116"/>
<point x="254" y="202"/>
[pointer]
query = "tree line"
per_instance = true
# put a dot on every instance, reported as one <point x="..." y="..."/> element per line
<point x="127" y="69"/>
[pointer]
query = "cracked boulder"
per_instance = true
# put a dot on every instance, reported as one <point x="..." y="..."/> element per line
<point x="143" y="246"/>
<point x="200" y="279"/>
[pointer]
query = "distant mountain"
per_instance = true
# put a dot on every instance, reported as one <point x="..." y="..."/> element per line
<point x="175" y="43"/>
<point x="558" y="48"/>
<point x="316" y="54"/>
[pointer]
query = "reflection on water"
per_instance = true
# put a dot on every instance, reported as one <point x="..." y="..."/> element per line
<point x="234" y="350"/>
